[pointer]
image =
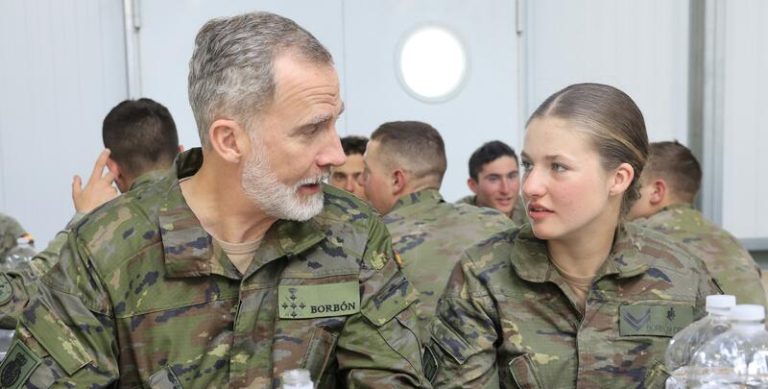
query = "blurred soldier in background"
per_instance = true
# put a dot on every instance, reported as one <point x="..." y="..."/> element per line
<point x="404" y="167"/>
<point x="494" y="180"/>
<point x="669" y="184"/>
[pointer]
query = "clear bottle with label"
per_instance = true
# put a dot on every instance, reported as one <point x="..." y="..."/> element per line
<point x="685" y="343"/>
<point x="737" y="358"/>
<point x="296" y="379"/>
<point x="19" y="257"/>
<point x="6" y="337"/>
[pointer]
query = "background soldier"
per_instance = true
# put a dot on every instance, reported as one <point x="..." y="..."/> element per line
<point x="669" y="184"/>
<point x="494" y="180"/>
<point x="10" y="231"/>
<point x="347" y="176"/>
<point x="405" y="163"/>
<point x="141" y="141"/>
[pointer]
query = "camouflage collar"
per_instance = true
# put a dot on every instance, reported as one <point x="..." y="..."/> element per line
<point x="429" y="195"/>
<point x="676" y="207"/>
<point x="531" y="261"/>
<point x="471" y="200"/>
<point x="149" y="177"/>
<point x="188" y="247"/>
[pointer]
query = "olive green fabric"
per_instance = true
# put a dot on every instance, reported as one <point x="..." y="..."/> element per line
<point x="430" y="235"/>
<point x="735" y="271"/>
<point x="141" y="295"/>
<point x="508" y="318"/>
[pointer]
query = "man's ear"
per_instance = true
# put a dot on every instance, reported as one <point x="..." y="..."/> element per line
<point x="472" y="184"/>
<point x="399" y="182"/>
<point x="659" y="193"/>
<point x="114" y="168"/>
<point x="229" y="140"/>
<point x="622" y="179"/>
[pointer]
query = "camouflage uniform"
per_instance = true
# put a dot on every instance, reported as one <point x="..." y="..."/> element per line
<point x="44" y="261"/>
<point x="143" y="297"/>
<point x="430" y="235"/>
<point x="726" y="259"/>
<point x="508" y="319"/>
<point x="519" y="215"/>
<point x="10" y="230"/>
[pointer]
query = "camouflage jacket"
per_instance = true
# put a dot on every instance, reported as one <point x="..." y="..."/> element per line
<point x="21" y="283"/>
<point x="141" y="297"/>
<point x="518" y="217"/>
<point x="508" y="319"/>
<point x="44" y="260"/>
<point x="726" y="259"/>
<point x="10" y="230"/>
<point x="430" y="235"/>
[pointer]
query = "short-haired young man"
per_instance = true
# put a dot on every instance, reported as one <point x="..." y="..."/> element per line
<point x="404" y="167"/>
<point x="669" y="183"/>
<point x="494" y="179"/>
<point x="347" y="176"/>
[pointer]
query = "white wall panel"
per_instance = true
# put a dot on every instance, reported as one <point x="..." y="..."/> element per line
<point x="745" y="133"/>
<point x="62" y="68"/>
<point x="640" y="47"/>
<point x="484" y="109"/>
<point x="167" y="39"/>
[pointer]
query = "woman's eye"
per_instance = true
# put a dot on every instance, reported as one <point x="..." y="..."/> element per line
<point x="558" y="167"/>
<point x="526" y="165"/>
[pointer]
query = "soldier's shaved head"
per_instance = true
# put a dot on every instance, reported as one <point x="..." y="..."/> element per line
<point x="677" y="165"/>
<point x="413" y="146"/>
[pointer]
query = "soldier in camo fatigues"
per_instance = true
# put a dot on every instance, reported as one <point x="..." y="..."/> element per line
<point x="142" y="142"/>
<point x="518" y="216"/>
<point x="149" y="290"/>
<point x="494" y="178"/>
<point x="670" y="182"/>
<point x="576" y="299"/>
<point x="428" y="233"/>
<point x="10" y="231"/>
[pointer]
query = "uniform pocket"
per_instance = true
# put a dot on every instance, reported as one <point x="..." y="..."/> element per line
<point x="320" y="352"/>
<point x="523" y="372"/>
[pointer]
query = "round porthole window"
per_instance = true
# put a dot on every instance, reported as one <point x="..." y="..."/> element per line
<point x="432" y="63"/>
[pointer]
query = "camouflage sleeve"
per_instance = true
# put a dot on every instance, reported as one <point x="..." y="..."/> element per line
<point x="65" y="335"/>
<point x="463" y="334"/>
<point x="46" y="259"/>
<point x="15" y="289"/>
<point x="379" y="347"/>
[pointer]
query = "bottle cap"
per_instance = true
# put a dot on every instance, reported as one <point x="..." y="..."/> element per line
<point x="22" y="241"/>
<point x="296" y="377"/>
<point x="720" y="302"/>
<point x="747" y="312"/>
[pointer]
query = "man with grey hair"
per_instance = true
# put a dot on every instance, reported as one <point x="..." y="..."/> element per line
<point x="240" y="266"/>
<point x="404" y="167"/>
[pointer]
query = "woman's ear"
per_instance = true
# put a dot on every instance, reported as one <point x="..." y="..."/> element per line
<point x="622" y="179"/>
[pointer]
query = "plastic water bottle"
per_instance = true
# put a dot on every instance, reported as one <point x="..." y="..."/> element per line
<point x="686" y="342"/>
<point x="737" y="358"/>
<point x="297" y="379"/>
<point x="20" y="257"/>
<point x="6" y="337"/>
